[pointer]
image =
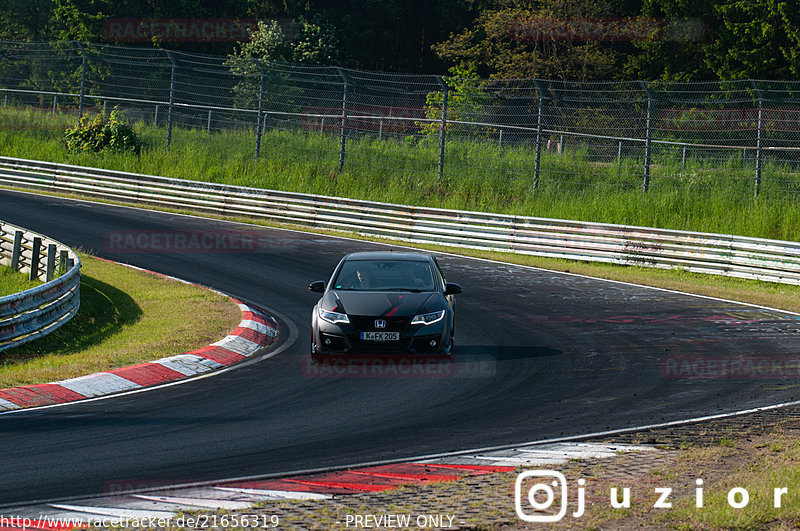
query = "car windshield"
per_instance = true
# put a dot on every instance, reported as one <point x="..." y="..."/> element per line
<point x="385" y="275"/>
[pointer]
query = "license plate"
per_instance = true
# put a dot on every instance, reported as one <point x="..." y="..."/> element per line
<point x="380" y="336"/>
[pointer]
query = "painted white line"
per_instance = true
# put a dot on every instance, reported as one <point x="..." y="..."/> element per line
<point x="238" y="344"/>
<point x="279" y="494"/>
<point x="197" y="502"/>
<point x="5" y="405"/>
<point x="98" y="384"/>
<point x="507" y="461"/>
<point x="259" y="327"/>
<point x="188" y="364"/>
<point x="114" y="512"/>
<point x="550" y="454"/>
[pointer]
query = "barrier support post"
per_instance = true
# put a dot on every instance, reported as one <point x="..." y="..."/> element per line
<point x="16" y="251"/>
<point x="51" y="262"/>
<point x="36" y="256"/>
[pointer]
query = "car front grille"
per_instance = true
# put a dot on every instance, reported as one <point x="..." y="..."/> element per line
<point x="367" y="324"/>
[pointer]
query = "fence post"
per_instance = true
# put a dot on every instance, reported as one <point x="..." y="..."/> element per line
<point x="759" y="137"/>
<point x="442" y="130"/>
<point x="343" y="129"/>
<point x="259" y="127"/>
<point x="62" y="262"/>
<point x="171" y="97"/>
<point x="16" y="251"/>
<point x="35" y="257"/>
<point x="83" y="80"/>
<point x="646" y="182"/>
<point x="51" y="262"/>
<point x="538" y="160"/>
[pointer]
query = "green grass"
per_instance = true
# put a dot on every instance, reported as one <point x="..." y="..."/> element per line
<point x="12" y="282"/>
<point x="126" y="317"/>
<point x="707" y="196"/>
<point x="775" y="464"/>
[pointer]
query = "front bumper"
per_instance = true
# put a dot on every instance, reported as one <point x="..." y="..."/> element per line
<point x="414" y="339"/>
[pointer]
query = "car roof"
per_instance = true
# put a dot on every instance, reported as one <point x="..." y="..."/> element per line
<point x="389" y="255"/>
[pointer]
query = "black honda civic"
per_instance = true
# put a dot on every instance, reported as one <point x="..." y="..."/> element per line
<point x="394" y="302"/>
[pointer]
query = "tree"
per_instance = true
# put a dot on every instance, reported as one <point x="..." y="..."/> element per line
<point x="267" y="45"/>
<point x="22" y="20"/>
<point x="679" y="54"/>
<point x="466" y="101"/>
<point x="316" y="42"/>
<point x="507" y="42"/>
<point x="756" y="39"/>
<point x="71" y="22"/>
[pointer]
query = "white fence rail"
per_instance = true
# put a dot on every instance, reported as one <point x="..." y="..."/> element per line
<point x="736" y="256"/>
<point x="36" y="312"/>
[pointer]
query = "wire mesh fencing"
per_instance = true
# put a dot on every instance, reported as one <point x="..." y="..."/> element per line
<point x="535" y="135"/>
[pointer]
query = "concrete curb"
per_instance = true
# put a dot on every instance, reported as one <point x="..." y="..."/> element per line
<point x="256" y="331"/>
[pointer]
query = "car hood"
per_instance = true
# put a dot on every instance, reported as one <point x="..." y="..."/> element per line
<point x="381" y="303"/>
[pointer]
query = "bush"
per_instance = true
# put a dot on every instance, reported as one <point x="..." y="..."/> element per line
<point x="102" y="133"/>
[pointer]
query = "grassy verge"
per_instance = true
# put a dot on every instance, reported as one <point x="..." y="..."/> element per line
<point x="13" y="282"/>
<point x="739" y="479"/>
<point x="705" y="195"/>
<point x="126" y="317"/>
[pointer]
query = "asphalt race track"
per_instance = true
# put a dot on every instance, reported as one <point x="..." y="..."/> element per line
<point x="538" y="355"/>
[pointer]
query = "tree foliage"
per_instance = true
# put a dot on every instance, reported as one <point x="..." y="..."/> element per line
<point x="680" y="54"/>
<point x="498" y="50"/>
<point x="698" y="39"/>
<point x="465" y="101"/>
<point x="756" y="39"/>
<point x="314" y="42"/>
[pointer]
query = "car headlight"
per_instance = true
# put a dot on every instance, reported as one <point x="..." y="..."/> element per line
<point x="333" y="317"/>
<point x="428" y="318"/>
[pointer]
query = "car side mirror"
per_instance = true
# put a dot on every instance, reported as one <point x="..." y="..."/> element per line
<point x="452" y="288"/>
<point x="317" y="287"/>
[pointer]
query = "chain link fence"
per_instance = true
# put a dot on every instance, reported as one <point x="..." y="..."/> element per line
<point x="738" y="136"/>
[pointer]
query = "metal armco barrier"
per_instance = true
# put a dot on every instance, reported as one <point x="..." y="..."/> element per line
<point x="735" y="256"/>
<point x="36" y="312"/>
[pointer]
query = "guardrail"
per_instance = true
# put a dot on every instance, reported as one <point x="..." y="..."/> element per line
<point x="36" y="312"/>
<point x="719" y="254"/>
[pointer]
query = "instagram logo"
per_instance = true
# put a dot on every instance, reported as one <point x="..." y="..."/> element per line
<point x="535" y="503"/>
